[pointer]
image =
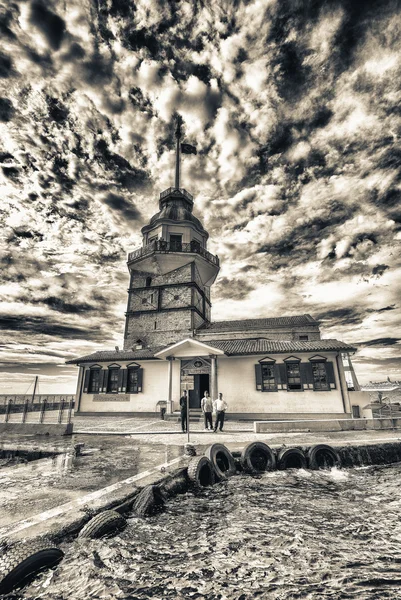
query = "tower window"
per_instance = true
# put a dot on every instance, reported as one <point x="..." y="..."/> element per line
<point x="144" y="301"/>
<point x="155" y="324"/>
<point x="148" y="281"/>
<point x="176" y="297"/>
<point x="303" y="338"/>
<point x="176" y="243"/>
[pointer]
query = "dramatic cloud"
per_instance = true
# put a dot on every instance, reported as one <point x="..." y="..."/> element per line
<point x="294" y="108"/>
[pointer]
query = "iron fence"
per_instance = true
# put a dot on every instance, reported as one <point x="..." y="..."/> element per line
<point x="44" y="411"/>
<point x="162" y="246"/>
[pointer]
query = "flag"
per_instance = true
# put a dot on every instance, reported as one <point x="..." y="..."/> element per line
<point x="188" y="149"/>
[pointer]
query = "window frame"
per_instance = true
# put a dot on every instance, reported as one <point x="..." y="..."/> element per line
<point x="128" y="387"/>
<point x="175" y="245"/>
<point x="92" y="371"/>
<point x="272" y="388"/>
<point x="297" y="363"/>
<point x="320" y="363"/>
<point x="110" y="380"/>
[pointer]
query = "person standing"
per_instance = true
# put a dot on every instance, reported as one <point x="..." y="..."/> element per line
<point x="184" y="415"/>
<point x="207" y="409"/>
<point x="220" y="407"/>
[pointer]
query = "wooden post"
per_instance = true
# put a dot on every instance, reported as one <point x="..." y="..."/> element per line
<point x="25" y="410"/>
<point x="34" y="389"/>
<point x="8" y="410"/>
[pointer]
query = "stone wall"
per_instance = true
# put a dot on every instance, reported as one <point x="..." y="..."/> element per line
<point x="312" y="332"/>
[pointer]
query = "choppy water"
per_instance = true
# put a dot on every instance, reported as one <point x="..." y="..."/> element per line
<point x="288" y="534"/>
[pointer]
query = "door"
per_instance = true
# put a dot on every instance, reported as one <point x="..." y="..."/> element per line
<point x="356" y="413"/>
<point x="201" y="385"/>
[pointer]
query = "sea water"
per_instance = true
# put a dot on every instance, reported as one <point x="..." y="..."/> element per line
<point x="287" y="534"/>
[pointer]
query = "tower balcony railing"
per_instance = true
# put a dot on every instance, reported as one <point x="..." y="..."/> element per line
<point x="170" y="190"/>
<point x="163" y="247"/>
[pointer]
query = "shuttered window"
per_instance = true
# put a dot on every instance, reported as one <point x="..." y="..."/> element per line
<point x="268" y="379"/>
<point x="112" y="385"/>
<point x="293" y="376"/>
<point x="320" y="381"/>
<point x="94" y="381"/>
<point x="132" y="381"/>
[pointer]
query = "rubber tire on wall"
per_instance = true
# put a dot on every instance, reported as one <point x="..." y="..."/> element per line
<point x="246" y="457"/>
<point x="22" y="561"/>
<point x="314" y="451"/>
<point x="212" y="453"/>
<point x="102" y="524"/>
<point x="196" y="471"/>
<point x="285" y="455"/>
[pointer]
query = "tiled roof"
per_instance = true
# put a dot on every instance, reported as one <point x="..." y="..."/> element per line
<point x="269" y="323"/>
<point x="263" y="346"/>
<point x="107" y="355"/>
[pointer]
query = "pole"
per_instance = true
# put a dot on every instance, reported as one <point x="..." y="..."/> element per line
<point x="178" y="154"/>
<point x="34" y="389"/>
<point x="186" y="387"/>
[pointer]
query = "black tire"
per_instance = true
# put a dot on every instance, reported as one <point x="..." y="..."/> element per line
<point x="291" y="458"/>
<point x="20" y="563"/>
<point x="258" y="457"/>
<point x="149" y="501"/>
<point x="323" y="456"/>
<point x="176" y="483"/>
<point x="102" y="524"/>
<point x="222" y="460"/>
<point x="201" y="472"/>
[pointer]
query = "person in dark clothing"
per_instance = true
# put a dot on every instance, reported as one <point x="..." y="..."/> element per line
<point x="183" y="407"/>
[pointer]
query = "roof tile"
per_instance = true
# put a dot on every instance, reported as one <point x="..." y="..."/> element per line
<point x="268" y="323"/>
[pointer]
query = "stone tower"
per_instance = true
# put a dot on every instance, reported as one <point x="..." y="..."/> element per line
<point x="171" y="274"/>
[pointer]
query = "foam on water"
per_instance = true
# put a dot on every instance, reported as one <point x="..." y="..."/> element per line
<point x="324" y="535"/>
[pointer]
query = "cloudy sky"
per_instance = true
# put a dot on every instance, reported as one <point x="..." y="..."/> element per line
<point x="295" y="110"/>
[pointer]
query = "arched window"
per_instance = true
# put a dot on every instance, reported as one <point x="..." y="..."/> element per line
<point x="148" y="282"/>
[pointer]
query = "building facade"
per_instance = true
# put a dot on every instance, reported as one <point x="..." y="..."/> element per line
<point x="269" y="368"/>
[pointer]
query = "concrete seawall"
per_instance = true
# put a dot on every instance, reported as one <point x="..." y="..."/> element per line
<point x="325" y="425"/>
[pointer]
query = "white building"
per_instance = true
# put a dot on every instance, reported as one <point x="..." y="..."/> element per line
<point x="270" y="368"/>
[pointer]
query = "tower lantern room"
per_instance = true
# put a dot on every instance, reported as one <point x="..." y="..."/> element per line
<point x="171" y="274"/>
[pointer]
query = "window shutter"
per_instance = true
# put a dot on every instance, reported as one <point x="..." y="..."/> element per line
<point x="258" y="376"/>
<point x="105" y="380"/>
<point x="140" y="379"/>
<point x="306" y="373"/>
<point x="125" y="379"/>
<point x="330" y="374"/>
<point x="277" y="375"/>
<point x="283" y="373"/>
<point x="86" y="381"/>
<point x="120" y="380"/>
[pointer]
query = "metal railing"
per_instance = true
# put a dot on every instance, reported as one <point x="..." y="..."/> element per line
<point x="171" y="190"/>
<point x="165" y="247"/>
<point x="44" y="411"/>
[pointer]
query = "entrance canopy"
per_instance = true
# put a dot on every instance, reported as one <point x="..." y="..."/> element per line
<point x="187" y="348"/>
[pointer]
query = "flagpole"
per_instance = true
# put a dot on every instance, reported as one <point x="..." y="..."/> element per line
<point x="178" y="154"/>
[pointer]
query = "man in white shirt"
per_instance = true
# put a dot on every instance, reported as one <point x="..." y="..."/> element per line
<point x="220" y="407"/>
<point x="207" y="408"/>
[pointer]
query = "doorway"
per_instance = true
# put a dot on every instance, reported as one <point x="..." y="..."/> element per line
<point x="201" y="384"/>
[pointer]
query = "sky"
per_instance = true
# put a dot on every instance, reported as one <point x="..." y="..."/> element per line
<point x="294" y="107"/>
